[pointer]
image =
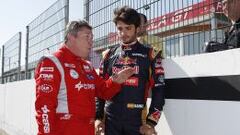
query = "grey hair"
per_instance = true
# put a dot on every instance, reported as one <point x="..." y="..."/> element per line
<point x="74" y="27"/>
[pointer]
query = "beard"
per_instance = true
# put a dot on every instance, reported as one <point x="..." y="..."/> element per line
<point x="129" y="40"/>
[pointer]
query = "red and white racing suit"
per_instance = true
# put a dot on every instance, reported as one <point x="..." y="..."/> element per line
<point x="66" y="87"/>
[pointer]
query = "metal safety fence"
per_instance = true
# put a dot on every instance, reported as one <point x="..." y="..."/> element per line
<point x="178" y="27"/>
<point x="181" y="26"/>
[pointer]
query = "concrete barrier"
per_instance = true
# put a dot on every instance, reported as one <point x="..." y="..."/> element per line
<point x="204" y="111"/>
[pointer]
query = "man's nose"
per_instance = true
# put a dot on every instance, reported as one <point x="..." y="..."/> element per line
<point x="122" y="33"/>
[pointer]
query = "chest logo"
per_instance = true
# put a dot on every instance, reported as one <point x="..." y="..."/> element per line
<point x="133" y="81"/>
<point x="90" y="77"/>
<point x="87" y="68"/>
<point x="74" y="74"/>
<point x="86" y="86"/>
<point x="126" y="61"/>
<point x="139" y="55"/>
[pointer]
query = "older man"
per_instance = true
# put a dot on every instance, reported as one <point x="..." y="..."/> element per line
<point x="66" y="86"/>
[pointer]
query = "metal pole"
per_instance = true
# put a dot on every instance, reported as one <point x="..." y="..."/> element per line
<point x="66" y="12"/>
<point x="9" y="63"/>
<point x="213" y="24"/>
<point x="3" y="64"/>
<point x="26" y="56"/>
<point x="86" y="10"/>
<point x="19" y="57"/>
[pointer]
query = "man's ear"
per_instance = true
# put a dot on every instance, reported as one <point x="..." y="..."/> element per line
<point x="137" y="30"/>
<point x="70" y="37"/>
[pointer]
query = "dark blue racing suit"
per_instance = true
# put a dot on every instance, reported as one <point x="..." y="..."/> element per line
<point x="124" y="111"/>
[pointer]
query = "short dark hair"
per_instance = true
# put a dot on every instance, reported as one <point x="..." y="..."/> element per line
<point x="127" y="15"/>
<point x="74" y="27"/>
<point x="144" y="17"/>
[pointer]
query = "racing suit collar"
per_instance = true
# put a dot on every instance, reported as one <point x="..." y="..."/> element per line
<point x="129" y="46"/>
<point x="68" y="54"/>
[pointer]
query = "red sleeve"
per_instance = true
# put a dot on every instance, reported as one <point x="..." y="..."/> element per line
<point x="106" y="89"/>
<point x="47" y="79"/>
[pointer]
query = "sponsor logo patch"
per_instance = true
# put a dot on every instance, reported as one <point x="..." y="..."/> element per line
<point x="155" y="116"/>
<point x="134" y="106"/>
<point x="69" y="65"/>
<point x="126" y="48"/>
<point x="116" y="69"/>
<point x="80" y="85"/>
<point x="46" y="69"/>
<point x="46" y="88"/>
<point x="74" y="74"/>
<point x="46" y="125"/>
<point x="139" y="55"/>
<point x="133" y="81"/>
<point x="126" y="61"/>
<point x="46" y="77"/>
<point x="90" y="77"/>
<point x="87" y="68"/>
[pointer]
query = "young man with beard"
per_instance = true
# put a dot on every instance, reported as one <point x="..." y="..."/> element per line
<point x="124" y="110"/>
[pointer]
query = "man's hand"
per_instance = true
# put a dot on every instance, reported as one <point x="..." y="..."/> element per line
<point x="123" y="75"/>
<point x="147" y="130"/>
<point x="99" y="127"/>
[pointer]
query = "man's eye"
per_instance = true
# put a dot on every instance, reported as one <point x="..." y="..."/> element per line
<point x="129" y="28"/>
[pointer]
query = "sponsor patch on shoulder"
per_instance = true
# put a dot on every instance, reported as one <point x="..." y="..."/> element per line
<point x="46" y="69"/>
<point x="69" y="65"/>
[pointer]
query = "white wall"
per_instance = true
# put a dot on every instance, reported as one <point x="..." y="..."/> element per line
<point x="201" y="117"/>
<point x="180" y="117"/>
<point x="17" y="108"/>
